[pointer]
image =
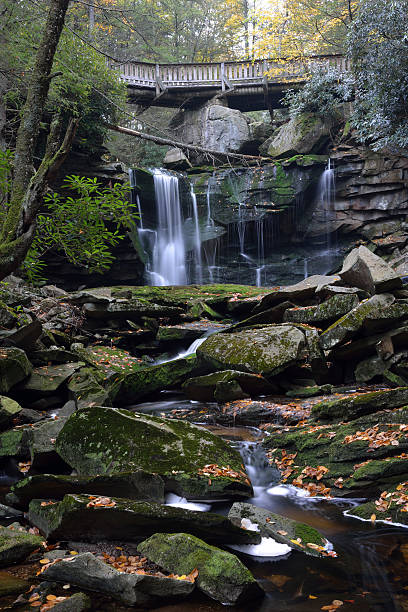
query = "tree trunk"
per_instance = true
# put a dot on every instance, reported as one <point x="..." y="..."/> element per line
<point x="28" y="187"/>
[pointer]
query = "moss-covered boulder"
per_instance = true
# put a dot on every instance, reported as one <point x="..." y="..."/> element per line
<point x="366" y="270"/>
<point x="266" y="350"/>
<point x="350" y="324"/>
<point x="14" y="443"/>
<point x="16" y="545"/>
<point x="83" y="517"/>
<point x="102" y="440"/>
<point x="108" y="360"/>
<point x="294" y="534"/>
<point x="138" y="485"/>
<point x="14" y="367"/>
<point x="166" y="375"/>
<point x="221" y="575"/>
<point x="133" y="310"/>
<point x="92" y="574"/>
<point x="209" y="388"/>
<point x="9" y="410"/>
<point x="303" y="134"/>
<point x="332" y="309"/>
<point x="356" y="405"/>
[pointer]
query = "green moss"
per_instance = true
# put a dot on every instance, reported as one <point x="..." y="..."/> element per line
<point x="308" y="534"/>
<point x="354" y="406"/>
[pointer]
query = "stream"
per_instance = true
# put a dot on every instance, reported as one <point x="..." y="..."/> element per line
<point x="370" y="572"/>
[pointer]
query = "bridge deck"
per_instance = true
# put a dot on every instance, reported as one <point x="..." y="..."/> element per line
<point x="248" y="85"/>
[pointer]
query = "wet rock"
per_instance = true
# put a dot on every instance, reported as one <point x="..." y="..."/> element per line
<point x="101" y="440"/>
<point x="280" y="528"/>
<point x="76" y="603"/>
<point x="9" y="410"/>
<point x="272" y="315"/>
<point x="11" y="585"/>
<point x="326" y="291"/>
<point x="163" y="376"/>
<point x="53" y="355"/>
<point x="388" y="317"/>
<point x="310" y="391"/>
<point x="253" y="413"/>
<point x="14" y="443"/>
<point x="176" y="160"/>
<point x="41" y="439"/>
<point x="364" y="269"/>
<point x="25" y="336"/>
<point x="354" y="406"/>
<point x="138" y="485"/>
<point x="6" y="512"/>
<point x="129" y="521"/>
<point x="383" y="344"/>
<point x="300" y="292"/>
<point x="207" y="388"/>
<point x="266" y="350"/>
<point x="90" y="573"/>
<point x="330" y="310"/>
<point x="349" y="325"/>
<point x="14" y="367"/>
<point x="133" y="310"/>
<point x="48" y="379"/>
<point x="16" y="545"/>
<point x="221" y="575"/>
<point x="391" y="507"/>
<point x="87" y="389"/>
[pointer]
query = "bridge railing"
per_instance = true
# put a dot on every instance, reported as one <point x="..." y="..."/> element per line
<point x="223" y="74"/>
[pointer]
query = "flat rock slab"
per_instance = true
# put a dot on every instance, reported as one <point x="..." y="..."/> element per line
<point x="221" y="575"/>
<point x="88" y="572"/>
<point x="138" y="485"/>
<point x="333" y="308"/>
<point x="364" y="269"/>
<point x="48" y="379"/>
<point x="16" y="545"/>
<point x="348" y="326"/>
<point x="299" y="292"/>
<point x="294" y="534"/>
<point x="14" y="367"/>
<point x="100" y="440"/>
<point x="266" y="350"/>
<point x="357" y="405"/>
<point x="126" y="520"/>
<point x="207" y="388"/>
<point x="77" y="603"/>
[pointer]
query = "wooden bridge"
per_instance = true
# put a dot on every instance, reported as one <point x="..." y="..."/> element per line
<point x="247" y="85"/>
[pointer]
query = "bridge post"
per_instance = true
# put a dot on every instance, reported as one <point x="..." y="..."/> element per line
<point x="222" y="75"/>
<point x="157" y="79"/>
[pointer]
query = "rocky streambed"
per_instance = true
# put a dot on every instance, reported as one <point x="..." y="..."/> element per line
<point x="191" y="447"/>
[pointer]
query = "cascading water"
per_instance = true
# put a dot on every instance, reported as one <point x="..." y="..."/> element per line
<point x="197" y="239"/>
<point x="326" y="195"/>
<point x="169" y="253"/>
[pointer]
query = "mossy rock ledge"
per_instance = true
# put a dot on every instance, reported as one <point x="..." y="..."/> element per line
<point x="357" y="405"/>
<point x="221" y="575"/>
<point x="129" y="521"/>
<point x="16" y="545"/>
<point x="102" y="440"/>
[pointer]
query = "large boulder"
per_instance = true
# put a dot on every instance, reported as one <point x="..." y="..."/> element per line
<point x="14" y="367"/>
<point x="9" y="410"/>
<point x="221" y="575"/>
<point x="348" y="326"/>
<point x="332" y="309"/>
<point x="266" y="351"/>
<point x="364" y="269"/>
<point x="138" y="485"/>
<point x="90" y="518"/>
<point x="213" y="126"/>
<point x="299" y="293"/>
<point x="48" y="379"/>
<point x="90" y="573"/>
<point x="102" y="440"/>
<point x="305" y="133"/>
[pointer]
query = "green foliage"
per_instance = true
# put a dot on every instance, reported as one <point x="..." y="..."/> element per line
<point x="378" y="46"/>
<point x="84" y="228"/>
<point x="323" y="93"/>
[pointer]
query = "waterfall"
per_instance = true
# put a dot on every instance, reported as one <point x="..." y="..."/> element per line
<point x="197" y="239"/>
<point x="326" y="193"/>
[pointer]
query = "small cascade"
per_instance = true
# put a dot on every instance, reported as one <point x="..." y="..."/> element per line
<point x="197" y="239"/>
<point x="326" y="193"/>
<point x="210" y="221"/>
